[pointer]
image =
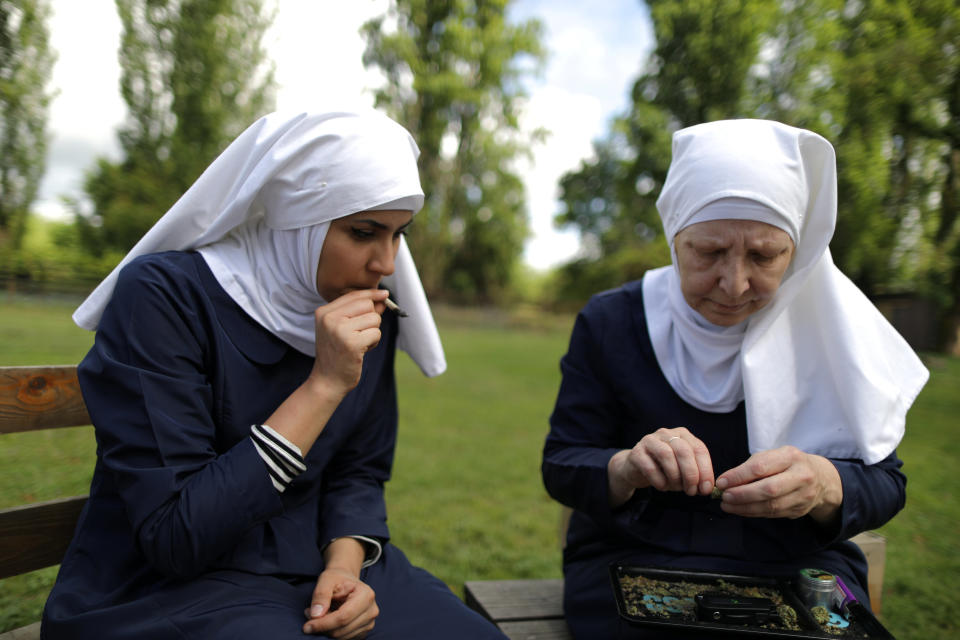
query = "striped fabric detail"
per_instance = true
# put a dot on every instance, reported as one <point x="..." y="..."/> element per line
<point x="283" y="458"/>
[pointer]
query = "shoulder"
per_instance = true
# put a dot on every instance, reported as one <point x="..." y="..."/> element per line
<point x="156" y="289"/>
<point x="613" y="322"/>
<point x="615" y="303"/>
<point x="173" y="279"/>
<point x="166" y="268"/>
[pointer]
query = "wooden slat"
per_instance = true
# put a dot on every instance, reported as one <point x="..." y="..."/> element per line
<point x="37" y="535"/>
<point x="513" y="600"/>
<point x="40" y="398"/>
<point x="534" y="630"/>
<point x="874" y="547"/>
<point x="29" y="632"/>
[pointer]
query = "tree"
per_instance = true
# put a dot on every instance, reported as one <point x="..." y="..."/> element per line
<point x="881" y="73"/>
<point x="895" y="120"/>
<point x="453" y="70"/>
<point x="26" y="62"/>
<point x="194" y="74"/>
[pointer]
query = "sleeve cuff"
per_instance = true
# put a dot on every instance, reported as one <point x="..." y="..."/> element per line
<point x="283" y="458"/>
<point x="372" y="547"/>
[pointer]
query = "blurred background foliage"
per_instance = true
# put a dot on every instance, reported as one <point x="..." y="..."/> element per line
<point x="194" y="74"/>
<point x="454" y="73"/>
<point x="880" y="79"/>
<point x="26" y="62"/>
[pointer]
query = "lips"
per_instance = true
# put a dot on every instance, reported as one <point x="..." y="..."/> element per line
<point x="728" y="308"/>
<point x="359" y="287"/>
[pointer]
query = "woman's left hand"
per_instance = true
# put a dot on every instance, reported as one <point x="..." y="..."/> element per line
<point x="342" y="606"/>
<point x="783" y="483"/>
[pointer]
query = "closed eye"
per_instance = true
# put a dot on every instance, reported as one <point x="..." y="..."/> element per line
<point x="712" y="253"/>
<point x="764" y="257"/>
<point x="361" y="234"/>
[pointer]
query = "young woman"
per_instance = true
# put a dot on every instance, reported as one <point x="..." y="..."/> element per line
<point x="242" y="389"/>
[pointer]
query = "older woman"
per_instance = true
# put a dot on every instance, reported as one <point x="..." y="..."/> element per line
<point x="750" y="364"/>
<point x="242" y="389"/>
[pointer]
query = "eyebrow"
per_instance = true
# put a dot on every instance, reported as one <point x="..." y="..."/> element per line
<point x="713" y="242"/>
<point x="376" y="224"/>
<point x="771" y="244"/>
<point x="701" y="244"/>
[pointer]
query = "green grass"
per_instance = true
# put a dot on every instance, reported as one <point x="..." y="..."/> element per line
<point x="922" y="579"/>
<point x="466" y="500"/>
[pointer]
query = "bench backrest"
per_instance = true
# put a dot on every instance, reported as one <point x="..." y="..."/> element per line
<point x="36" y="535"/>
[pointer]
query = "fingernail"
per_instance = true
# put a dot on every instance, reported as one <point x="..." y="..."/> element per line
<point x="316" y="611"/>
<point x="722" y="483"/>
<point x="705" y="486"/>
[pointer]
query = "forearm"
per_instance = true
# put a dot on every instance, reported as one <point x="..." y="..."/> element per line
<point x="302" y="416"/>
<point x="578" y="476"/>
<point x="872" y="494"/>
<point x="345" y="554"/>
<point x="827" y="511"/>
<point x="619" y="488"/>
<point x="208" y="514"/>
<point x="585" y="429"/>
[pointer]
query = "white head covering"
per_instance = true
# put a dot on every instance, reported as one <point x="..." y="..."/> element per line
<point x="260" y="212"/>
<point x="819" y="367"/>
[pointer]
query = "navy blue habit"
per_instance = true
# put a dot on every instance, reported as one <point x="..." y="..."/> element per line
<point x="612" y="394"/>
<point x="184" y="535"/>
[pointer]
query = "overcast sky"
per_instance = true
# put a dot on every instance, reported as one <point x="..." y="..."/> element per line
<point x="596" y="51"/>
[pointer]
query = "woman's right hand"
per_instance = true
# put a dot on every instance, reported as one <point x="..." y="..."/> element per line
<point x="667" y="460"/>
<point x="346" y="329"/>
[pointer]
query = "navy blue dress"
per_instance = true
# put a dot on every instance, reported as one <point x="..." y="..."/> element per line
<point x="612" y="394"/>
<point x="184" y="535"/>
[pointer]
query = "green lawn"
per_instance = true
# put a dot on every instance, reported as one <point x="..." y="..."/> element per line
<point x="466" y="500"/>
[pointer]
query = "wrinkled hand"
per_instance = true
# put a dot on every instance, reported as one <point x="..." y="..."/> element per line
<point x="667" y="460"/>
<point x="782" y="483"/>
<point x="346" y="329"/>
<point x="342" y="606"/>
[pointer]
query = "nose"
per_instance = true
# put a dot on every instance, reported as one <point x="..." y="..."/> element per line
<point x="382" y="257"/>
<point x="734" y="279"/>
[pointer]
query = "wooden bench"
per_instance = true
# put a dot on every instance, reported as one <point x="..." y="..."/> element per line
<point x="533" y="609"/>
<point x="35" y="536"/>
<point x="523" y="609"/>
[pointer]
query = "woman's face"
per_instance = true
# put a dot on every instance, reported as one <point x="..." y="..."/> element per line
<point x="359" y="250"/>
<point x="730" y="269"/>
